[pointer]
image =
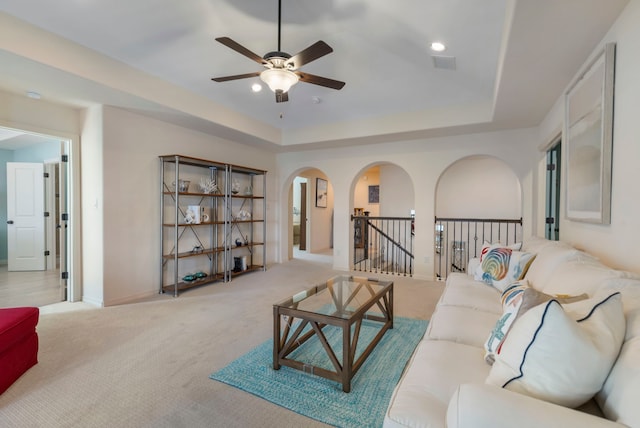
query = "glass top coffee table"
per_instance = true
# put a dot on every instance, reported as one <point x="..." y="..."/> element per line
<point x="343" y="302"/>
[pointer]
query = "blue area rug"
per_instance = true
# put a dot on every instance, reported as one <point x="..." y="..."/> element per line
<point x="323" y="399"/>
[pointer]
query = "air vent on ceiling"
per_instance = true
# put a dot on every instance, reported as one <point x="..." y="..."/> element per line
<point x="445" y="62"/>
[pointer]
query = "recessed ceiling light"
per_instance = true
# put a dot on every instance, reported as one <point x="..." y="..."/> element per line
<point x="316" y="100"/>
<point x="256" y="87"/>
<point x="437" y="46"/>
<point x="34" y="95"/>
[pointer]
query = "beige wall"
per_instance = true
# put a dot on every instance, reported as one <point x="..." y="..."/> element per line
<point x="93" y="187"/>
<point x="131" y="206"/>
<point x="616" y="244"/>
<point x="42" y="117"/>
<point x="479" y="187"/>
<point x="397" y="192"/>
<point x="423" y="161"/>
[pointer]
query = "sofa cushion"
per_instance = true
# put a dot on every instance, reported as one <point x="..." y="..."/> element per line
<point x="461" y="324"/>
<point x="548" y="258"/>
<point x="620" y="394"/>
<point x="581" y="274"/>
<point x="476" y="405"/>
<point x="463" y="290"/>
<point x="535" y="244"/>
<point x="432" y="375"/>
<point x="560" y="357"/>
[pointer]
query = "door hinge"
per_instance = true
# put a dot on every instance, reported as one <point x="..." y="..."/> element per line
<point x="64" y="275"/>
<point x="65" y="217"/>
<point x="64" y="158"/>
<point x="46" y="175"/>
<point x="551" y="167"/>
<point x="47" y="253"/>
<point x="550" y="220"/>
<point x="46" y="213"/>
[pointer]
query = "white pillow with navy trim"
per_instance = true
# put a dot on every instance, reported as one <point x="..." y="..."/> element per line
<point x="551" y="355"/>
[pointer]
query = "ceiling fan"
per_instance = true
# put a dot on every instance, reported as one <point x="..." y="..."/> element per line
<point x="281" y="69"/>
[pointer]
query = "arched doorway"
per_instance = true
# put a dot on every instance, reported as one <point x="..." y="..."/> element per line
<point x="383" y="202"/>
<point x="311" y="216"/>
<point x="477" y="199"/>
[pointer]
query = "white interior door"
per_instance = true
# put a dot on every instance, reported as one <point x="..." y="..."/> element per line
<point x="25" y="216"/>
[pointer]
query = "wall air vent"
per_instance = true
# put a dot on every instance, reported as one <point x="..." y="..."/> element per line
<point x="444" y="62"/>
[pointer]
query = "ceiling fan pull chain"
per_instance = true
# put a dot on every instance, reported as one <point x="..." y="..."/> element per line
<point x="279" y="22"/>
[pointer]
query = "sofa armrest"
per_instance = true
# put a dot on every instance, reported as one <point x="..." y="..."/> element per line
<point x="480" y="405"/>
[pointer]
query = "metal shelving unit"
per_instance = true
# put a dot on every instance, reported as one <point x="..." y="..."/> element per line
<point x="195" y="254"/>
<point x="246" y="214"/>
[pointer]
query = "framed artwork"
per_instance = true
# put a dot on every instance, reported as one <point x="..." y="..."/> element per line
<point x="588" y="133"/>
<point x="374" y="194"/>
<point x="321" y="193"/>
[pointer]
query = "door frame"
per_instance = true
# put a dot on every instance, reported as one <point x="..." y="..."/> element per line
<point x="74" y="250"/>
<point x="50" y="190"/>
<point x="553" y="161"/>
<point x="304" y="230"/>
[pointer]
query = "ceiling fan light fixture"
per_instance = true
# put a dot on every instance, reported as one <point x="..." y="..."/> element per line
<point x="279" y="79"/>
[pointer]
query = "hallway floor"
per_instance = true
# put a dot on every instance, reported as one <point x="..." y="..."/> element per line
<point x="35" y="288"/>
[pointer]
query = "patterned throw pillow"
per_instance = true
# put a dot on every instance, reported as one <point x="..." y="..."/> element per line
<point x="502" y="266"/>
<point x="516" y="300"/>
<point x="494" y="265"/>
<point x="486" y="247"/>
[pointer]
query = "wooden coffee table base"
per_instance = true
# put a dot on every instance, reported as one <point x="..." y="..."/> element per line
<point x="291" y="331"/>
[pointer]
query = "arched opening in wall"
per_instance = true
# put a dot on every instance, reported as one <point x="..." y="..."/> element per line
<point x="382" y="232"/>
<point x="311" y="216"/>
<point x="478" y="199"/>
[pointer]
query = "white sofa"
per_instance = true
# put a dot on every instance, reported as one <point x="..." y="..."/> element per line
<point x="446" y="382"/>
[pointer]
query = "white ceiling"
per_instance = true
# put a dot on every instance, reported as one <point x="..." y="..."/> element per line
<point x="513" y="59"/>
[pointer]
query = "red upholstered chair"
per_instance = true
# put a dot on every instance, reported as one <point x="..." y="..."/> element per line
<point x="18" y="343"/>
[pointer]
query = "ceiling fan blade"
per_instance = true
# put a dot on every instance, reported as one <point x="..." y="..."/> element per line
<point x="235" y="77"/>
<point x="282" y="97"/>
<point x="313" y="52"/>
<point x="241" y="49"/>
<point x="321" y="81"/>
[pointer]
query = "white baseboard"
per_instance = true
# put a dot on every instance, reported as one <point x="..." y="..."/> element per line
<point x="94" y="302"/>
<point x="130" y="299"/>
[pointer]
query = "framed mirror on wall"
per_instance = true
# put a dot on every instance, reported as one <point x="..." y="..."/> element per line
<point x="588" y="129"/>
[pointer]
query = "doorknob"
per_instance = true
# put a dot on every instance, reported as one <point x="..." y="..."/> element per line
<point x="9" y="221"/>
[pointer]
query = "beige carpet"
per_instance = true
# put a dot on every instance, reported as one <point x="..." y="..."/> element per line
<point x="148" y="364"/>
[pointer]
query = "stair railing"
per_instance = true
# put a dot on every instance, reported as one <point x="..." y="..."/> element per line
<point x="383" y="244"/>
<point x="457" y="240"/>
